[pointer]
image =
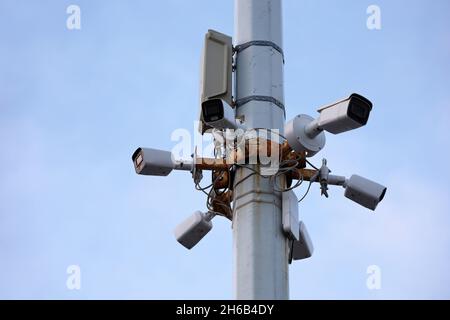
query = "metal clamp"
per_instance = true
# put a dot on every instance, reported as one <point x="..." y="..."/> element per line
<point x="323" y="178"/>
<point x="259" y="43"/>
<point x="278" y="103"/>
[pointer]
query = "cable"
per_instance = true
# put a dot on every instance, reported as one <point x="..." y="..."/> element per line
<point x="306" y="193"/>
<point x="241" y="181"/>
<point x="254" y="170"/>
<point x="311" y="165"/>
<point x="296" y="185"/>
<point x="210" y="203"/>
<point x="283" y="169"/>
<point x="204" y="189"/>
<point x="199" y="188"/>
<point x="285" y="166"/>
<point x="211" y="196"/>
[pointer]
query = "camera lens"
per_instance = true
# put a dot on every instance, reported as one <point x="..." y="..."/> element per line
<point x="139" y="160"/>
<point x="212" y="110"/>
<point x="359" y="109"/>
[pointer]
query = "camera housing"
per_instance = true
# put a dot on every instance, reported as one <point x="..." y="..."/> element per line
<point x="344" y="115"/>
<point x="216" y="78"/>
<point x="290" y="215"/>
<point x="193" y="229"/>
<point x="154" y="162"/>
<point x="218" y="114"/>
<point x="302" y="248"/>
<point x="364" y="192"/>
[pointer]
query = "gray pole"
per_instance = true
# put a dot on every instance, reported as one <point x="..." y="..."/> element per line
<point x="260" y="247"/>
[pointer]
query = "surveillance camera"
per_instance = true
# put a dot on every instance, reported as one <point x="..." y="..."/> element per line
<point x="364" y="192"/>
<point x="153" y="162"/>
<point x="297" y="138"/>
<point x="218" y="114"/>
<point x="193" y="229"/>
<point x="358" y="189"/>
<point x="302" y="248"/>
<point x="216" y="71"/>
<point x="342" y="116"/>
<point x="305" y="134"/>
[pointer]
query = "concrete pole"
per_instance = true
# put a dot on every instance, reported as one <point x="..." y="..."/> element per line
<point x="260" y="247"/>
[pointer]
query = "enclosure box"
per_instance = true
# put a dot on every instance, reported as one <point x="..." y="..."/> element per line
<point x="216" y="70"/>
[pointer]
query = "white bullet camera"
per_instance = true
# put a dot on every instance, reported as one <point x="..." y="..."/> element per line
<point x="218" y="114"/>
<point x="358" y="189"/>
<point x="364" y="192"/>
<point x="153" y="162"/>
<point x="342" y="116"/>
<point x="193" y="229"/>
<point x="302" y="248"/>
<point x="216" y="81"/>
<point x="306" y="134"/>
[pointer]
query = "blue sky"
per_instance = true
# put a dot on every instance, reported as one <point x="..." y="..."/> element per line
<point x="75" y="104"/>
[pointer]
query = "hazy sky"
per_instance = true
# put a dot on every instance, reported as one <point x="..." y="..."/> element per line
<point x="75" y="104"/>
